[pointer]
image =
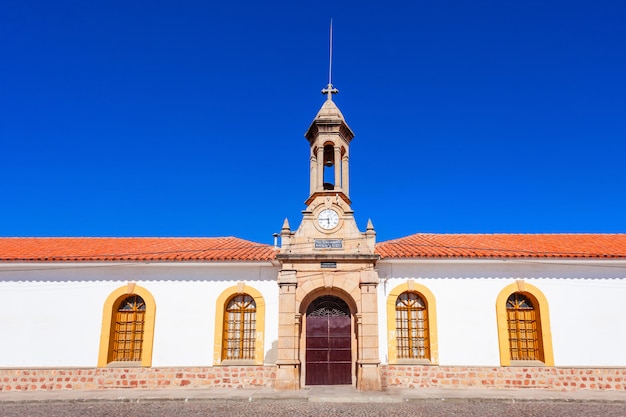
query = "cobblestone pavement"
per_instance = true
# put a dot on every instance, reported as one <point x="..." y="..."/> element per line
<point x="222" y="408"/>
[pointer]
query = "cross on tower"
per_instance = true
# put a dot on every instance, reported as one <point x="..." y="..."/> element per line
<point x="329" y="91"/>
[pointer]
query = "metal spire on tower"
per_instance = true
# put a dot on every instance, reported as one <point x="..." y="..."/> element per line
<point x="330" y="90"/>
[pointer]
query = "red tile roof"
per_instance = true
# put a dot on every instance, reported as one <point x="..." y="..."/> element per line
<point x="37" y="249"/>
<point x="505" y="246"/>
<point x="41" y="249"/>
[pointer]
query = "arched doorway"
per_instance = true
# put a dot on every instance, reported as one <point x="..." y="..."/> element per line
<point x="328" y="342"/>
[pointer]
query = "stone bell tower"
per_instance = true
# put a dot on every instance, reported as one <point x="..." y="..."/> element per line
<point x="328" y="310"/>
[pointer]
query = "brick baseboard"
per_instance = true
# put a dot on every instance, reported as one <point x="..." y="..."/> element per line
<point x="150" y="378"/>
<point x="401" y="376"/>
<point x="561" y="379"/>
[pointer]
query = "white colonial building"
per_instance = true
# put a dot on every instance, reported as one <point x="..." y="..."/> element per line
<point x="327" y="306"/>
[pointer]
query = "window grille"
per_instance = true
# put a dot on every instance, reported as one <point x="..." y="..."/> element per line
<point x="239" y="328"/>
<point x="412" y="327"/>
<point x="128" y="330"/>
<point x="524" y="331"/>
<point x="328" y="305"/>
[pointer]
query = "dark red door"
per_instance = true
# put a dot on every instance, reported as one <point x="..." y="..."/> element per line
<point x="328" y="342"/>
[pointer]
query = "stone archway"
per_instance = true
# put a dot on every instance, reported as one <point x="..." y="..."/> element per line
<point x="328" y="353"/>
<point x="357" y="289"/>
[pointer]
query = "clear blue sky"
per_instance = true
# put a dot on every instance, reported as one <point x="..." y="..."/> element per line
<point x="186" y="118"/>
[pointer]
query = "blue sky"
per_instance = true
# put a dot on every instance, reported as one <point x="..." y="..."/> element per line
<point x="186" y="118"/>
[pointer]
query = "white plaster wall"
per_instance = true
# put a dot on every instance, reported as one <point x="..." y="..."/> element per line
<point x="185" y="322"/>
<point x="585" y="301"/>
<point x="51" y="315"/>
<point x="588" y="318"/>
<point x="50" y="324"/>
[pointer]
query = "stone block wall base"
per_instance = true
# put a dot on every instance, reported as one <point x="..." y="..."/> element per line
<point x="538" y="377"/>
<point x="368" y="377"/>
<point x="47" y="379"/>
<point x="287" y="377"/>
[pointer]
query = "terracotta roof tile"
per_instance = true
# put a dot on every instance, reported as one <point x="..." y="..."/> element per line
<point x="72" y="249"/>
<point x="41" y="249"/>
<point x="505" y="246"/>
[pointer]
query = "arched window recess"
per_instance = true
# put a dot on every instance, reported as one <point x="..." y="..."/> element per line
<point x="127" y="334"/>
<point x="524" y="334"/>
<point x="412" y="325"/>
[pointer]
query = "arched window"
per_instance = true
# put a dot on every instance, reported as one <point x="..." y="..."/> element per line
<point x="412" y="327"/>
<point x="128" y="330"/>
<point x="127" y="335"/>
<point x="524" y="328"/>
<point x="239" y="328"/>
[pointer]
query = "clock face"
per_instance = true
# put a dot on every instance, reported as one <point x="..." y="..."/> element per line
<point x="328" y="219"/>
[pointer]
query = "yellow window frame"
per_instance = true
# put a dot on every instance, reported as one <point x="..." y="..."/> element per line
<point x="544" y="321"/>
<point x="431" y="307"/>
<point x="108" y="322"/>
<point x="220" y="309"/>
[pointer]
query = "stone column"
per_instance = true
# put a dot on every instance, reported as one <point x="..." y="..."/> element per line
<point x="368" y="363"/>
<point x="313" y="175"/>
<point x="345" y="177"/>
<point x="288" y="362"/>
<point x="320" y="168"/>
<point x="338" y="168"/>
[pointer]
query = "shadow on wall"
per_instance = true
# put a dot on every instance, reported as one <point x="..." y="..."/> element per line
<point x="272" y="354"/>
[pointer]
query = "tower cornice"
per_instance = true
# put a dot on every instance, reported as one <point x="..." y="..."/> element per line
<point x="330" y="193"/>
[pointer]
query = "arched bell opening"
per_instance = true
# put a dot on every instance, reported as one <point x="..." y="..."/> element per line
<point x="329" y="168"/>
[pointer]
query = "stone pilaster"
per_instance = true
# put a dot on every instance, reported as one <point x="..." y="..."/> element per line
<point x="368" y="362"/>
<point x="345" y="177"/>
<point x="337" y="159"/>
<point x="288" y="363"/>
<point x="320" y="169"/>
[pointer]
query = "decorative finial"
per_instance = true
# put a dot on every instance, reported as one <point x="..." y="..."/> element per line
<point x="286" y="227"/>
<point x="330" y="90"/>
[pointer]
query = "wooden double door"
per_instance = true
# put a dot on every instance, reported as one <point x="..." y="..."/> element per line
<point x="328" y="342"/>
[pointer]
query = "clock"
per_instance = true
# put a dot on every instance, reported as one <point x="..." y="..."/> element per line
<point x="328" y="219"/>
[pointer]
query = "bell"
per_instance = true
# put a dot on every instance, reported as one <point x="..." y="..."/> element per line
<point x="329" y="158"/>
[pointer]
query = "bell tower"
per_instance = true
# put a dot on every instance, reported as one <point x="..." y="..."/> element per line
<point x="329" y="137"/>
<point x="328" y="224"/>
<point x="328" y="308"/>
